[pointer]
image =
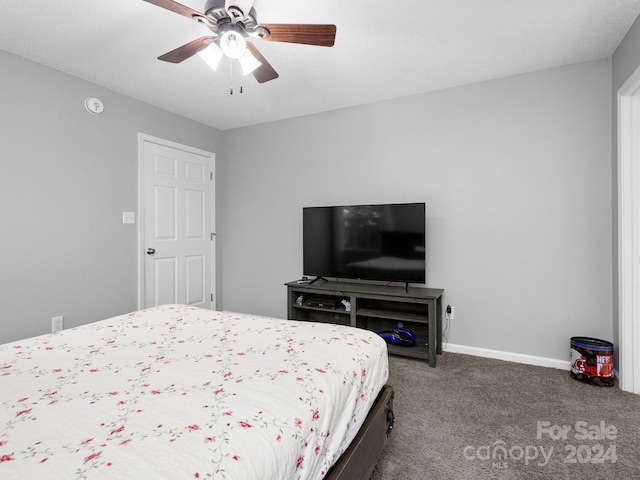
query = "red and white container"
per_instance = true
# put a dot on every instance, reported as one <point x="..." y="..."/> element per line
<point x="592" y="361"/>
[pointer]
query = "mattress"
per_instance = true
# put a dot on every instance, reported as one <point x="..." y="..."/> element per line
<point x="177" y="392"/>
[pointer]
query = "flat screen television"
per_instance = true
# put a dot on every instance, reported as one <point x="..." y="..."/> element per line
<point x="367" y="242"/>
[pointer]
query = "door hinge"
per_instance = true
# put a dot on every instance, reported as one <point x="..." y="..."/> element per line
<point x="210" y="175"/>
<point x="212" y="297"/>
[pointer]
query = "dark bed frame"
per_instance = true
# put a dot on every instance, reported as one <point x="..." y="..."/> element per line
<point x="359" y="460"/>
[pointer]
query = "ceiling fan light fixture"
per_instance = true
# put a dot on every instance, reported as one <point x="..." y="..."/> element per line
<point x="233" y="44"/>
<point x="231" y="23"/>
<point x="248" y="62"/>
<point x="211" y="55"/>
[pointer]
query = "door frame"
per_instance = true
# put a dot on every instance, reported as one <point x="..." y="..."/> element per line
<point x="142" y="138"/>
<point x="628" y="100"/>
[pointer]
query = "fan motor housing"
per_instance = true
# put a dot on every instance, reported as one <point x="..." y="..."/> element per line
<point x="219" y="18"/>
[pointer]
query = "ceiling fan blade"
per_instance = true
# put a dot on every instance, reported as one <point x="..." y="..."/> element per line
<point x="264" y="72"/>
<point x="186" y="51"/>
<point x="321" y="35"/>
<point x="175" y="7"/>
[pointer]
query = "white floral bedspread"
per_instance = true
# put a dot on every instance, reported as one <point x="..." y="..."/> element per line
<point x="177" y="392"/>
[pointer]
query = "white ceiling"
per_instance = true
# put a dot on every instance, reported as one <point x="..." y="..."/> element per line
<point x="384" y="49"/>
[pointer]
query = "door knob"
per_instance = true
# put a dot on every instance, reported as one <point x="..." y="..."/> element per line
<point x="151" y="251"/>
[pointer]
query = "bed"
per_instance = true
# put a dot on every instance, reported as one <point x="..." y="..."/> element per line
<point x="177" y="392"/>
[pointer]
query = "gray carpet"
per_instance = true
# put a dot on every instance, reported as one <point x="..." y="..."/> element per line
<point x="478" y="418"/>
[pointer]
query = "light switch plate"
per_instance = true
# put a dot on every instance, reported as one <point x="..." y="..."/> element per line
<point x="128" y="217"/>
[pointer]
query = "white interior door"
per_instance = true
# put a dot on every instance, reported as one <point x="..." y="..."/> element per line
<point x="177" y="225"/>
<point x="629" y="234"/>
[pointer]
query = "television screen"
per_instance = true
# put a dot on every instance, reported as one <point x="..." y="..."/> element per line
<point x="367" y="242"/>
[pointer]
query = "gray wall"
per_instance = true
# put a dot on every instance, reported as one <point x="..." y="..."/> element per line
<point x="67" y="178"/>
<point x="516" y="174"/>
<point x="626" y="60"/>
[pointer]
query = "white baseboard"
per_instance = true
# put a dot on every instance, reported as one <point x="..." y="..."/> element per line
<point x="508" y="356"/>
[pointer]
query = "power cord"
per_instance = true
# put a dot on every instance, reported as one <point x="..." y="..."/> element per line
<point x="445" y="330"/>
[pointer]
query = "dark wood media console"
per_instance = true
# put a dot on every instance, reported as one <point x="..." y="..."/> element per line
<point x="375" y="308"/>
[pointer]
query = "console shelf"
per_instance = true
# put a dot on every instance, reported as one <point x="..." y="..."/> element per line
<point x="375" y="308"/>
<point x="393" y="315"/>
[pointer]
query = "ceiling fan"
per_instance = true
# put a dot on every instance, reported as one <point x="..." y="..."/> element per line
<point x="232" y="22"/>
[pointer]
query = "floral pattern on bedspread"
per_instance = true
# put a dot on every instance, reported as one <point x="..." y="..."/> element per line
<point x="177" y="392"/>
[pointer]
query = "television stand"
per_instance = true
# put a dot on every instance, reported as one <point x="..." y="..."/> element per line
<point x="376" y="308"/>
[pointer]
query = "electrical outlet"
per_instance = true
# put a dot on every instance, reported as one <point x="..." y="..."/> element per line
<point x="57" y="324"/>
<point x="450" y="312"/>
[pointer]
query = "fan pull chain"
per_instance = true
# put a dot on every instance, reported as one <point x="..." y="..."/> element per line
<point x="231" y="76"/>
